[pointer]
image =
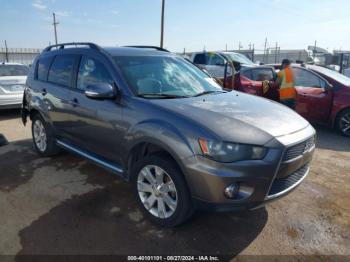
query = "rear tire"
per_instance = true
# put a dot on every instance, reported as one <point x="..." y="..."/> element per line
<point x="343" y="123"/>
<point x="43" y="139"/>
<point x="161" y="191"/>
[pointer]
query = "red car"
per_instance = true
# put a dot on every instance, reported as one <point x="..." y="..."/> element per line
<point x="323" y="94"/>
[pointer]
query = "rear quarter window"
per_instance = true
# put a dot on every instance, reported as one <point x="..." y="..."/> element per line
<point x="43" y="68"/>
<point x="262" y="74"/>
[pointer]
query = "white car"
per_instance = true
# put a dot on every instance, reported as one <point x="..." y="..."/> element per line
<point x="13" y="77"/>
<point x="214" y="62"/>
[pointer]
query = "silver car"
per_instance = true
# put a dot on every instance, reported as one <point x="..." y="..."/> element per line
<point x="12" y="80"/>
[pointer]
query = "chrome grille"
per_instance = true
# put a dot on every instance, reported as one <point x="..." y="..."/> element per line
<point x="298" y="149"/>
<point x="284" y="183"/>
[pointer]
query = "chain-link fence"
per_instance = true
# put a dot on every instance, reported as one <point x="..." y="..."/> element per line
<point x="19" y="55"/>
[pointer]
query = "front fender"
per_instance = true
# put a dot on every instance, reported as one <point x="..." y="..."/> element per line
<point x="162" y="134"/>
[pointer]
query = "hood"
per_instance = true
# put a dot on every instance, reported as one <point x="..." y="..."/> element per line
<point x="238" y="117"/>
<point x="13" y="80"/>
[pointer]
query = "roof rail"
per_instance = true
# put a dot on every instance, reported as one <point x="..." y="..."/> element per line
<point x="61" y="46"/>
<point x="149" y="46"/>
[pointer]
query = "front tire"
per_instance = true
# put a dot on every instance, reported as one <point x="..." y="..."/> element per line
<point x="43" y="140"/>
<point x="161" y="191"/>
<point x="343" y="123"/>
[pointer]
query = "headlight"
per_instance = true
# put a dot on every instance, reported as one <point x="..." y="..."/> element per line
<point x="230" y="152"/>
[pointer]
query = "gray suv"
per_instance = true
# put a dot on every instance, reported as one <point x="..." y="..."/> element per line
<point x="158" y="121"/>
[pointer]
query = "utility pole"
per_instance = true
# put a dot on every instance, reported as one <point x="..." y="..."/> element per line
<point x="162" y="25"/>
<point x="226" y="47"/>
<point x="6" y="52"/>
<point x="54" y="26"/>
<point x="239" y="46"/>
<point x="276" y="52"/>
<point x="265" y="50"/>
<point x="315" y="46"/>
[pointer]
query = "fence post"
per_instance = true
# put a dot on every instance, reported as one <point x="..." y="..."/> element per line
<point x="6" y="53"/>
<point x="341" y="63"/>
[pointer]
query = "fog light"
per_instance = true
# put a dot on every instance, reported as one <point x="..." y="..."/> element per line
<point x="231" y="190"/>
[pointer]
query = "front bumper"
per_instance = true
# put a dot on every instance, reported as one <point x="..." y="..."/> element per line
<point x="261" y="181"/>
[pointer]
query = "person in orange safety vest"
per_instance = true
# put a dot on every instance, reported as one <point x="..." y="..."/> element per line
<point x="285" y="81"/>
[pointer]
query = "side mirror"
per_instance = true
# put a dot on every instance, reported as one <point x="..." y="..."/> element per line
<point x="328" y="87"/>
<point x="100" y="91"/>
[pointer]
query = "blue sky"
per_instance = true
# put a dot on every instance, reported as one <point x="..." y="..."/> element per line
<point x="192" y="24"/>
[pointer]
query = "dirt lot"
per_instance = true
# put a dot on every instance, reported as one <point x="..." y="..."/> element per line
<point x="66" y="205"/>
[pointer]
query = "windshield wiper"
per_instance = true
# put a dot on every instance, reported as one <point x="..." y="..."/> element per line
<point x="160" y="95"/>
<point x="209" y="92"/>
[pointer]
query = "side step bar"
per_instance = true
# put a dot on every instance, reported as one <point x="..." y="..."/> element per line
<point x="103" y="163"/>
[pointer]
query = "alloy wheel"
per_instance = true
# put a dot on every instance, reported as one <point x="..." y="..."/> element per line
<point x="39" y="134"/>
<point x="345" y="124"/>
<point x="157" y="191"/>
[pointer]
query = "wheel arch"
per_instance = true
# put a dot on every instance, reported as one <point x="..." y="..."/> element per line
<point x="145" y="148"/>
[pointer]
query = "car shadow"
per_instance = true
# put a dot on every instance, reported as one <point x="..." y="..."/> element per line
<point x="107" y="219"/>
<point x="16" y="164"/>
<point x="8" y="114"/>
<point x="328" y="138"/>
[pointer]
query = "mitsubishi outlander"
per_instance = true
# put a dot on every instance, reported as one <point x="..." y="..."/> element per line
<point x="161" y="123"/>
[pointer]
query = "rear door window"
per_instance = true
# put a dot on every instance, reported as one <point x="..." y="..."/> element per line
<point x="61" y="70"/>
<point x="262" y="74"/>
<point x="200" y="59"/>
<point x="43" y="67"/>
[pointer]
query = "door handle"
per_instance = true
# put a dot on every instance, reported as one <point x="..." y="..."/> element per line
<point x="74" y="102"/>
<point x="43" y="91"/>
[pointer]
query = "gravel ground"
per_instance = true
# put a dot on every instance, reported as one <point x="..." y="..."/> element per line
<point x="67" y="205"/>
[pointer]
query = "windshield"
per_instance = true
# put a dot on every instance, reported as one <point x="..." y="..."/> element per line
<point x="152" y="76"/>
<point x="344" y="80"/>
<point x="13" y="70"/>
<point x="235" y="57"/>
